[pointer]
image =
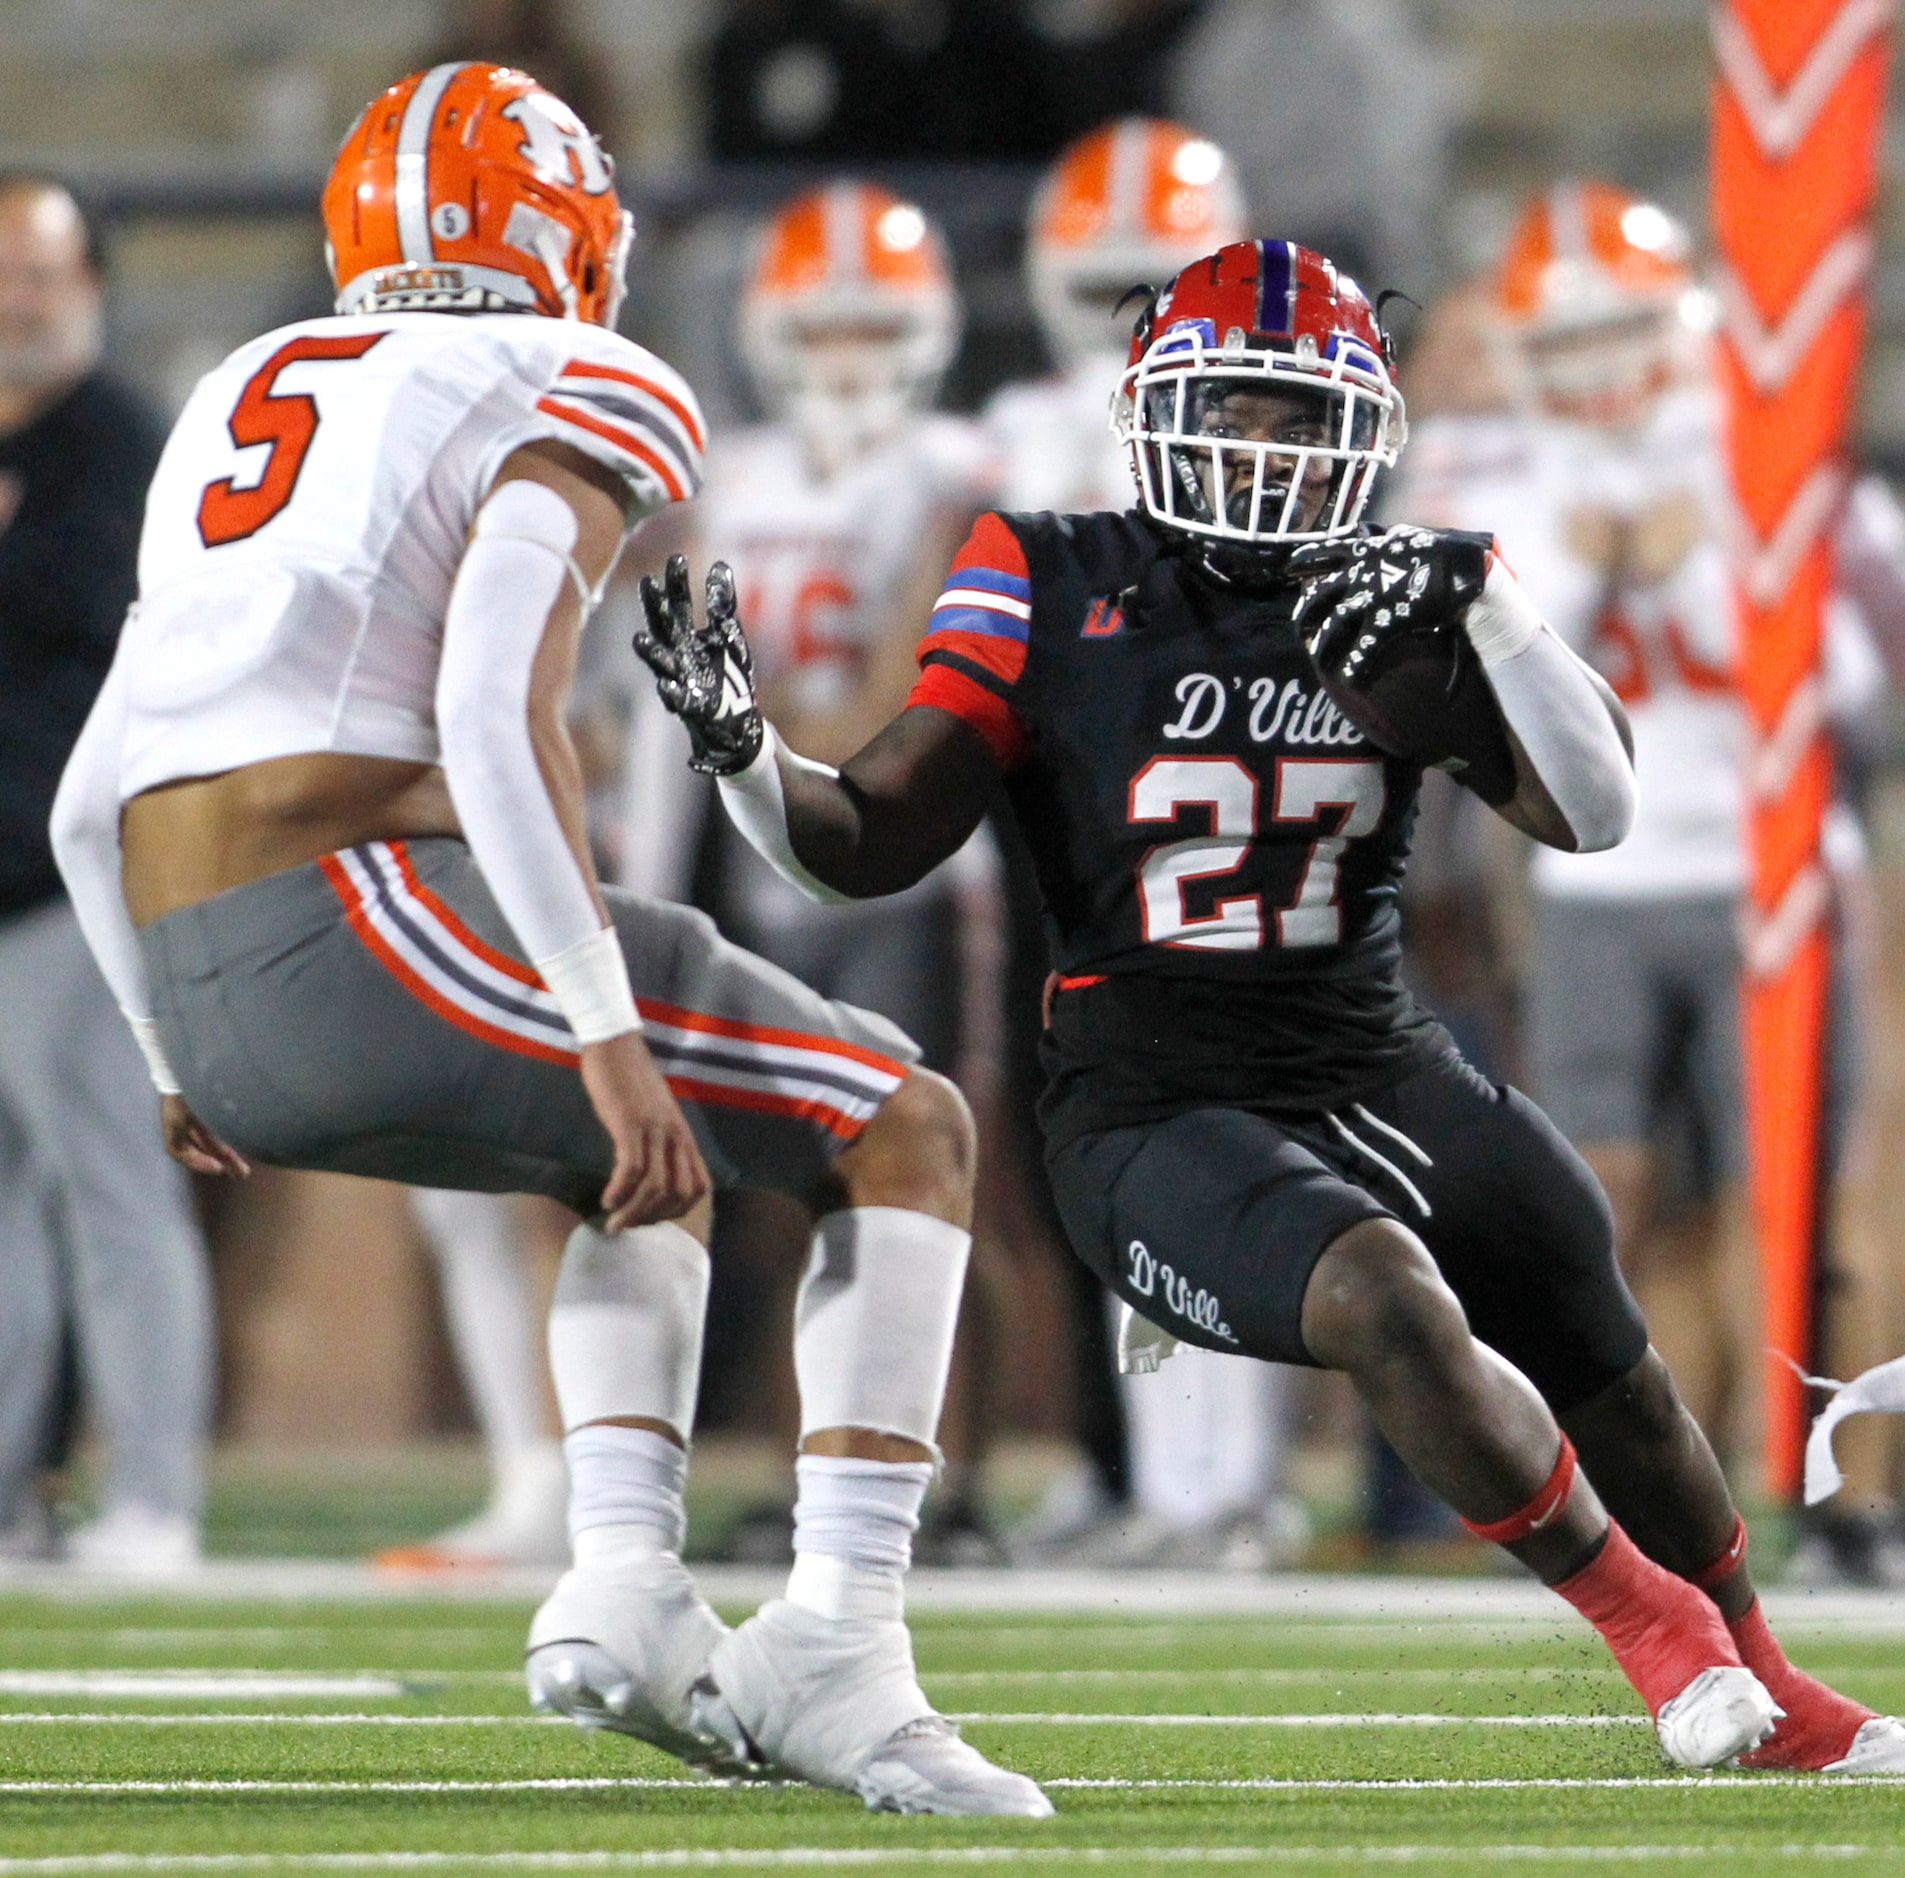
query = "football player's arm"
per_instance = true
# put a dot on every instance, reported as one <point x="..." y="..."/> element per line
<point x="1573" y="748"/>
<point x="886" y="818"/>
<point x="897" y="808"/>
<point x="544" y="539"/>
<point x="85" y="833"/>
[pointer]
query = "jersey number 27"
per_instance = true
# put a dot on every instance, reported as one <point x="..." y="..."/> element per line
<point x="288" y="422"/>
<point x="1305" y="789"/>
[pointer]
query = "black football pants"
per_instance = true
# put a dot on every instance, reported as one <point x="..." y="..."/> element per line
<point x="1210" y="1223"/>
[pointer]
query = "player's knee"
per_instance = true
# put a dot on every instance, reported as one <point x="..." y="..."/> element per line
<point x="920" y="1150"/>
<point x="1376" y="1298"/>
<point x="1640" y="1411"/>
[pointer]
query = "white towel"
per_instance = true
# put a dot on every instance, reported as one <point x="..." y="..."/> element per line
<point x="1879" y="1388"/>
<point x="1142" y="1346"/>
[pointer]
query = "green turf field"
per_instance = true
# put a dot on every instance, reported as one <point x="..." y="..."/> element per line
<point x="183" y="1735"/>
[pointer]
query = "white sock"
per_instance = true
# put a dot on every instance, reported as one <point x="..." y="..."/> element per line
<point x="853" y="1534"/>
<point x="625" y="1492"/>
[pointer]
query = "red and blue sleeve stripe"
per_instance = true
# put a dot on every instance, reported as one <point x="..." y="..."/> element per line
<point x="985" y="608"/>
<point x="974" y="650"/>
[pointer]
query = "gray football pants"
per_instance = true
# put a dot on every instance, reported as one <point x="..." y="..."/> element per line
<point x="95" y="1227"/>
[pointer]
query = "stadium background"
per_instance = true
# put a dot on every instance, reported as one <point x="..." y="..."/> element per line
<point x="198" y="131"/>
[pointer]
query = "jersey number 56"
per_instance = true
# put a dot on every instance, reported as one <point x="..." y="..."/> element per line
<point x="1305" y="789"/>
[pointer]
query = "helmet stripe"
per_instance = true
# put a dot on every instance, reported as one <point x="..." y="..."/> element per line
<point x="846" y="228"/>
<point x="1125" y="180"/>
<point x="1276" y="288"/>
<point x="1568" y="223"/>
<point x="413" y="162"/>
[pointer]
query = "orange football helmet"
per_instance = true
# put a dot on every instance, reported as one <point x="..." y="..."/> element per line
<point x="1597" y="289"/>
<point x="849" y="317"/>
<point x="468" y="187"/>
<point x="1132" y="202"/>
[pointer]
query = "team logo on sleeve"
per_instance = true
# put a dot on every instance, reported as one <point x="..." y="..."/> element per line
<point x="1102" y="618"/>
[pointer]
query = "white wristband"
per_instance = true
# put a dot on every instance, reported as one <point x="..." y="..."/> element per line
<point x="590" y="981"/>
<point x="145" y="1033"/>
<point x="1501" y="620"/>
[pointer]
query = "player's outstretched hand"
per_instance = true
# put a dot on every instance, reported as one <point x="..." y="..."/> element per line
<point x="193" y="1145"/>
<point x="1361" y="592"/>
<point x="659" y="1173"/>
<point x="703" y="669"/>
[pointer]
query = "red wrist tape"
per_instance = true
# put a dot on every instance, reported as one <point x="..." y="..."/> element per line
<point x="1727" y="1563"/>
<point x="1539" y="1511"/>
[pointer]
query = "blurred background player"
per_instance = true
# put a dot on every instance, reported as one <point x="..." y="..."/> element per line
<point x="98" y="1242"/>
<point x="484" y="1251"/>
<point x="1127" y="205"/>
<point x="839" y="514"/>
<point x="1605" y="487"/>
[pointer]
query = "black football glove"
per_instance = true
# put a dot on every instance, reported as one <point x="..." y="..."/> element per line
<point x="703" y="668"/>
<point x="1362" y="594"/>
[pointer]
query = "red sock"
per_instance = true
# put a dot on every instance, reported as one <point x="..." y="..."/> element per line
<point x="1662" y="1631"/>
<point x="1819" y="1723"/>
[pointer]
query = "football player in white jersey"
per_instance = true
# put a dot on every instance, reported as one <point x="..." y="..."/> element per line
<point x="838" y="515"/>
<point x="1132" y="202"/>
<point x="1604" y="483"/>
<point x="324" y="833"/>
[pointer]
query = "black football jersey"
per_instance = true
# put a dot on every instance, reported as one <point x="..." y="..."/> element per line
<point x="1219" y="850"/>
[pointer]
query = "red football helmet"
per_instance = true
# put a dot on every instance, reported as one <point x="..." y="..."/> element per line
<point x="1258" y="402"/>
<point x="468" y="188"/>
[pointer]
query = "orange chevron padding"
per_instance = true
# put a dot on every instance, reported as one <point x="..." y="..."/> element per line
<point x="1798" y="116"/>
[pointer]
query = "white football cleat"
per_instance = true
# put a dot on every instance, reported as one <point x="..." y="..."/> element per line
<point x="1722" y="1712"/>
<point x="1878" y="1748"/>
<point x="836" y="1702"/>
<point x="618" y="1646"/>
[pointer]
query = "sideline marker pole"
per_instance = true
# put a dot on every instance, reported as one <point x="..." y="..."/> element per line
<point x="1798" y="119"/>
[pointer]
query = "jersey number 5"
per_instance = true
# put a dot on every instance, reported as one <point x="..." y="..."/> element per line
<point x="1305" y="788"/>
<point x="287" y="421"/>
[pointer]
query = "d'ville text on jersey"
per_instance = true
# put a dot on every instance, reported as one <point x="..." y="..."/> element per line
<point x="1289" y="710"/>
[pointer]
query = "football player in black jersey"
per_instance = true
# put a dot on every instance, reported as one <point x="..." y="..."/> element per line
<point x="1210" y="715"/>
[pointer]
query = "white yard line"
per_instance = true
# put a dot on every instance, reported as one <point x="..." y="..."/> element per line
<point x="290" y="1718"/>
<point x="1052" y="1718"/>
<point x="1024" y="1718"/>
<point x="198" y="1685"/>
<point x="809" y="1857"/>
<point x="1690" y="1784"/>
<point x="1489" y="1602"/>
<point x="1454" y="1677"/>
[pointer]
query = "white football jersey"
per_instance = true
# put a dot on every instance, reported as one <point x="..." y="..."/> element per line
<point x="311" y="510"/>
<point x="820" y="565"/>
<point x="1667" y="646"/>
<point x="1053" y="446"/>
